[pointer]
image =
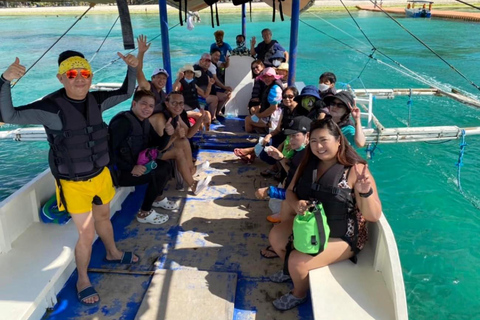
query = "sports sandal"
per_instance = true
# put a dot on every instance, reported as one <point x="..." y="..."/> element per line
<point x="165" y="204"/>
<point x="288" y="301"/>
<point x="268" y="253"/>
<point x="279" y="277"/>
<point x="154" y="218"/>
<point x="86" y="293"/>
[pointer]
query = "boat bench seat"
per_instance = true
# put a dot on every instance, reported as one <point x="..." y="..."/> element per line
<point x="345" y="290"/>
<point x="41" y="258"/>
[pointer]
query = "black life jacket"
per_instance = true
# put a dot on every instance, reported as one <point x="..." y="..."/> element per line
<point x="189" y="92"/>
<point x="202" y="81"/>
<point x="138" y="139"/>
<point x="264" y="104"/>
<point x="338" y="202"/>
<point x="159" y="98"/>
<point x="80" y="148"/>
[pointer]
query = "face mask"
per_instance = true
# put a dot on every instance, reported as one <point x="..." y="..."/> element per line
<point x="276" y="62"/>
<point x="188" y="80"/>
<point x="301" y="148"/>
<point x="323" y="87"/>
<point x="240" y="43"/>
<point x="308" y="102"/>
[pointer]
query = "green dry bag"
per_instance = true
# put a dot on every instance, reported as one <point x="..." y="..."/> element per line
<point x="311" y="230"/>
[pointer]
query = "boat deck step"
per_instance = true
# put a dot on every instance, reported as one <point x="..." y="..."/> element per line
<point x="189" y="294"/>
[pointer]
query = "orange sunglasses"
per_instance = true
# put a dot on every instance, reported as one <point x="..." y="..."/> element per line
<point x="73" y="73"/>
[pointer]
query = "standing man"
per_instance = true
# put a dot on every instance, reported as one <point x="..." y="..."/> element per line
<point x="72" y="117"/>
<point x="224" y="47"/>
<point x="157" y="81"/>
<point x="267" y="48"/>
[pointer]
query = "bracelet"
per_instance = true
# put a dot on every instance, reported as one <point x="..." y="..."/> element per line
<point x="366" y="194"/>
<point x="281" y="159"/>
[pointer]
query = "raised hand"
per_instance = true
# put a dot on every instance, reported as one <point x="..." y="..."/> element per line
<point x="142" y="43"/>
<point x="356" y="113"/>
<point x="138" y="170"/>
<point x="363" y="182"/>
<point x="14" y="71"/>
<point x="180" y="75"/>
<point x="130" y="60"/>
<point x="169" y="127"/>
<point x="253" y="41"/>
<point x="211" y="81"/>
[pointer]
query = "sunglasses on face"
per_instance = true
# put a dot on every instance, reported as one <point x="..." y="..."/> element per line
<point x="288" y="96"/>
<point x="73" y="73"/>
<point x="208" y="60"/>
<point x="338" y="105"/>
<point x="177" y="103"/>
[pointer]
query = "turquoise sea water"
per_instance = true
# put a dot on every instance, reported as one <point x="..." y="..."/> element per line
<point x="436" y="226"/>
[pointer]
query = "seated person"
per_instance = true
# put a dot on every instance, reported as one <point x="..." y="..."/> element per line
<point x="309" y="100"/>
<point x="277" y="59"/>
<point x="223" y="47"/>
<point x="340" y="106"/>
<point x="203" y="81"/>
<point x="178" y="148"/>
<point x="326" y="84"/>
<point x="297" y="133"/>
<point x="186" y="83"/>
<point x="130" y="133"/>
<point x="266" y="119"/>
<point x="282" y="70"/>
<point x="241" y="49"/>
<point x="266" y="48"/>
<point x="257" y="68"/>
<point x="217" y="68"/>
<point x="332" y="163"/>
<point x="158" y="80"/>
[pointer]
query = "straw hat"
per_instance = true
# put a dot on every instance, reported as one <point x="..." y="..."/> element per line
<point x="189" y="67"/>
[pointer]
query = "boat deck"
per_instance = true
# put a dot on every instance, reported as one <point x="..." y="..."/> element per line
<point x="445" y="14"/>
<point x="219" y="232"/>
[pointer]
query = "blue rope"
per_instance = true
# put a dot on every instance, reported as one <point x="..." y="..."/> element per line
<point x="371" y="148"/>
<point x="459" y="163"/>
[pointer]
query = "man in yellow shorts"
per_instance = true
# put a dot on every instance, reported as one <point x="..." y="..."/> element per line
<point x="72" y="117"/>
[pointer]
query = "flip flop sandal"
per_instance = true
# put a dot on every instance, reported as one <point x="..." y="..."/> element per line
<point x="86" y="293"/>
<point x="127" y="258"/>
<point x="154" y="218"/>
<point x="274" y="218"/>
<point x="165" y="204"/>
<point x="268" y="253"/>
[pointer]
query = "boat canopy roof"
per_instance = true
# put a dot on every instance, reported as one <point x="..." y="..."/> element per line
<point x="197" y="5"/>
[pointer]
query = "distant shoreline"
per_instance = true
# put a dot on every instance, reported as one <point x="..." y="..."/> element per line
<point x="327" y="5"/>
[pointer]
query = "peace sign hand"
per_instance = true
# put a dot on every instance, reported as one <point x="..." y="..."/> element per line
<point x="363" y="184"/>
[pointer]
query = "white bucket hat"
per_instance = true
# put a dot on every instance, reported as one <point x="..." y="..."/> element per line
<point x="189" y="67"/>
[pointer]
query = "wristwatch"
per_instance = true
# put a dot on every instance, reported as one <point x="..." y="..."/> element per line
<point x="366" y="194"/>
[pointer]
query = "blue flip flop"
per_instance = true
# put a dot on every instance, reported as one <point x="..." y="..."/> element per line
<point x="127" y="258"/>
<point x="87" y="293"/>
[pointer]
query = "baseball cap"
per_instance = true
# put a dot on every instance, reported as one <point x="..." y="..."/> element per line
<point x="298" y="124"/>
<point x="160" y="70"/>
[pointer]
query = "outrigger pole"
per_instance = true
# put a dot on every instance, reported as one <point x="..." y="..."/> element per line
<point x="165" y="42"/>
<point x="292" y="58"/>
<point x="244" y="21"/>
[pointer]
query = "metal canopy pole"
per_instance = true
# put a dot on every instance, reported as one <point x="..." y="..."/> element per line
<point x="165" y="42"/>
<point x="292" y="59"/>
<point x="244" y="21"/>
